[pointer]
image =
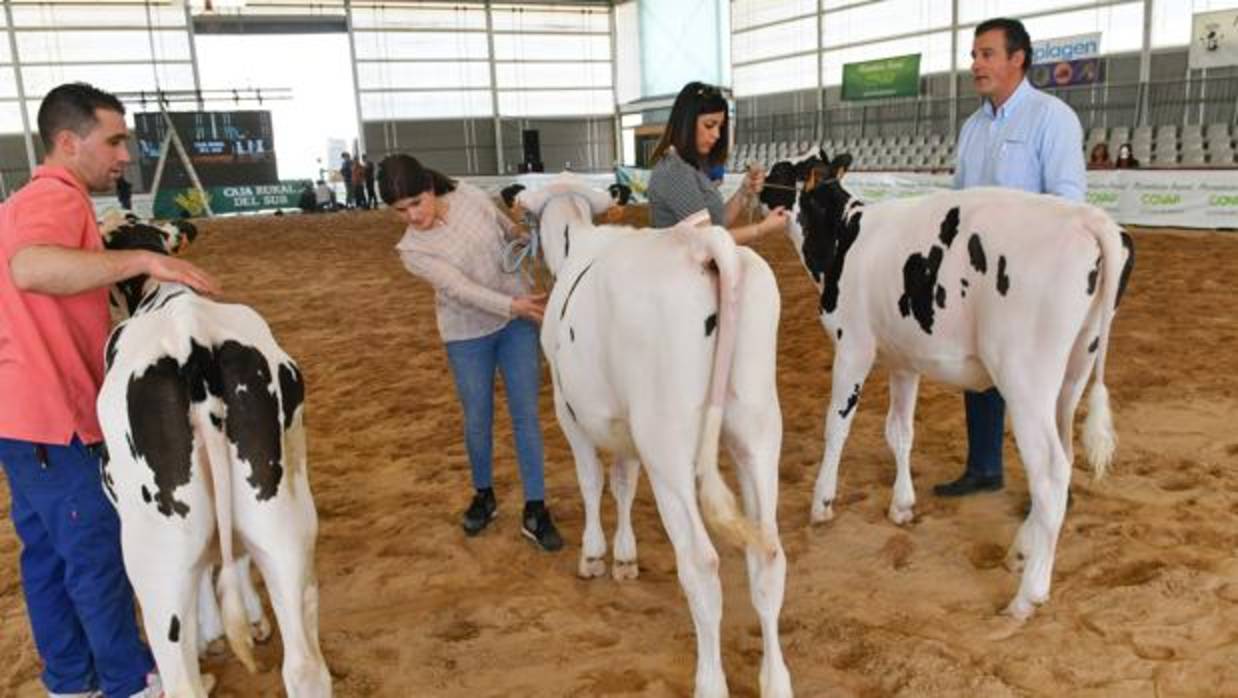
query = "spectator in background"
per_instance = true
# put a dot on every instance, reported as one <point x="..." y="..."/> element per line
<point x="1125" y="159"/>
<point x="1099" y="158"/>
<point x="124" y="193"/>
<point x="346" y="177"/>
<point x="358" y="184"/>
<point x="307" y="202"/>
<point x="324" y="196"/>
<point x="368" y="166"/>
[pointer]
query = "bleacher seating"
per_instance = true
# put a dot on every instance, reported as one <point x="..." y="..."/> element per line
<point x="1169" y="145"/>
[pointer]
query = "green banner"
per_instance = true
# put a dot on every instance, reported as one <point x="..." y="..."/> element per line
<point x="175" y="203"/>
<point x="898" y="76"/>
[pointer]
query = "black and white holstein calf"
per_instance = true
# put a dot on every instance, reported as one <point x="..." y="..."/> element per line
<point x="977" y="288"/>
<point x="202" y="417"/>
<point x="654" y="355"/>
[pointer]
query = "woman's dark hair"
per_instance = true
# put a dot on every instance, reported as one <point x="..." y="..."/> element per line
<point x="402" y="176"/>
<point x="1104" y="152"/>
<point x="1017" y="38"/>
<point x="694" y="99"/>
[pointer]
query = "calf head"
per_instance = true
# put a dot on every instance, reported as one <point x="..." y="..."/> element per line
<point x="780" y="183"/>
<point x="830" y="221"/>
<point x="128" y="232"/>
<point x="621" y="194"/>
<point x="780" y="187"/>
<point x="566" y="202"/>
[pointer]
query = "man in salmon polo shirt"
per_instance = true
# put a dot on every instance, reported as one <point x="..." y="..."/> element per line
<point x="54" y="279"/>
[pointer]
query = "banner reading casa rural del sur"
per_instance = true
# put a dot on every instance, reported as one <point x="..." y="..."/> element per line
<point x="898" y="76"/>
<point x="1070" y="60"/>
<point x="176" y="203"/>
<point x="1214" y="39"/>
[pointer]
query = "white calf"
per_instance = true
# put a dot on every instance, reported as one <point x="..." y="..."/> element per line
<point x="202" y="416"/>
<point x="652" y="355"/>
<point x="977" y="288"/>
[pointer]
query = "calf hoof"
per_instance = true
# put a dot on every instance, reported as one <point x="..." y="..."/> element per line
<point x="625" y="570"/>
<point x="776" y="682"/>
<point x="823" y="512"/>
<point x="591" y="567"/>
<point x="261" y="630"/>
<point x="1020" y="609"/>
<point x="901" y="515"/>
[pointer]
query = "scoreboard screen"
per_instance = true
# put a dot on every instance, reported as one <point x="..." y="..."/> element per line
<point x="226" y="147"/>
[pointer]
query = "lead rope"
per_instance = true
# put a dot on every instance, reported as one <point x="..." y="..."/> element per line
<point x="520" y="255"/>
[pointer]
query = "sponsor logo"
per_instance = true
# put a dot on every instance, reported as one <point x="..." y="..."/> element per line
<point x="1160" y="199"/>
<point x="1102" y="198"/>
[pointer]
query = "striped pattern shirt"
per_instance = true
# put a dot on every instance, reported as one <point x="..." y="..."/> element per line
<point x="678" y="190"/>
<point x="461" y="257"/>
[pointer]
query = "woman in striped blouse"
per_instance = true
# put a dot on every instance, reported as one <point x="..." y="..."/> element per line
<point x="694" y="146"/>
<point x="487" y="319"/>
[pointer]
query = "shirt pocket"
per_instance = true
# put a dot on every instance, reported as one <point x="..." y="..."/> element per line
<point x="1018" y="165"/>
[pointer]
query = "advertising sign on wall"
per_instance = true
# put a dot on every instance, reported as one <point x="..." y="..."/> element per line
<point x="898" y="76"/>
<point x="1070" y="60"/>
<point x="1214" y="39"/>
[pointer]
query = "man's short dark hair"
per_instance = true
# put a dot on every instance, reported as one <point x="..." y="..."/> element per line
<point x="72" y="106"/>
<point x="1017" y="38"/>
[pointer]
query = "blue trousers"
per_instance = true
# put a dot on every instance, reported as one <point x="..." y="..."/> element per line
<point x="77" y="595"/>
<point x="986" y="419"/>
<point x="514" y="351"/>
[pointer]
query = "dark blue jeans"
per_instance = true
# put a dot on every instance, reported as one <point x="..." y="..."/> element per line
<point x="514" y="351"/>
<point x="78" y="597"/>
<point x="986" y="419"/>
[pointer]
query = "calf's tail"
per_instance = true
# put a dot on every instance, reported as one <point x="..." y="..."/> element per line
<point x="718" y="505"/>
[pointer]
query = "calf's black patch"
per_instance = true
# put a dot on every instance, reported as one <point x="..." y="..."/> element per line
<point x="949" y="227"/>
<point x="852" y="401"/>
<point x="109" y="354"/>
<point x="920" y="285"/>
<point x="710" y="323"/>
<point x="1129" y="243"/>
<point x="253" y="424"/>
<point x="975" y="253"/>
<point x="1003" y="281"/>
<point x="174" y="629"/>
<point x="160" y="432"/>
<point x="291" y="390"/>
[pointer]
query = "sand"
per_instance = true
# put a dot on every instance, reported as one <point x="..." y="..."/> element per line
<point x="1145" y="595"/>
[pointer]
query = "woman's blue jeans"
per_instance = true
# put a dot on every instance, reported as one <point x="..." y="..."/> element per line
<point x="514" y="351"/>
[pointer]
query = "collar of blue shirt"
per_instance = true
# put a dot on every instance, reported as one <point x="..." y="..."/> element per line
<point x="1019" y="95"/>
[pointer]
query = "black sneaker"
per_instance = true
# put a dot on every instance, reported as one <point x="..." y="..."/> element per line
<point x="480" y="513"/>
<point x="538" y="527"/>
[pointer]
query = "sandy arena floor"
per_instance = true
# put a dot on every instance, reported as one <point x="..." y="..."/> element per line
<point x="1145" y="596"/>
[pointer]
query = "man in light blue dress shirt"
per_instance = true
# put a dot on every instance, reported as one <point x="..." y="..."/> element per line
<point x="1019" y="138"/>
